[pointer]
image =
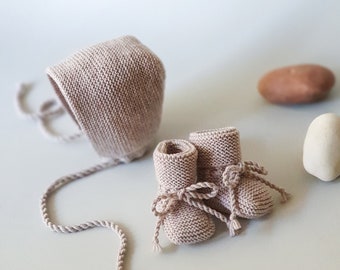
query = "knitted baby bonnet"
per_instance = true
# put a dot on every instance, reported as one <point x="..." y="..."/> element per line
<point x="114" y="93"/>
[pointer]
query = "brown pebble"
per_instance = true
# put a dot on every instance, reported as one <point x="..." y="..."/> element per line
<point x="296" y="84"/>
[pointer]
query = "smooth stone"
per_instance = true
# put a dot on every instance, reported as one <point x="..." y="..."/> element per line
<point x="321" y="149"/>
<point x="296" y="84"/>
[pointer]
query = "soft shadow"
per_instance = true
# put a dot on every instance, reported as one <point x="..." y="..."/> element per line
<point x="170" y="248"/>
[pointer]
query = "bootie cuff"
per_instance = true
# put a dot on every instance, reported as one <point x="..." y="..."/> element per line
<point x="217" y="147"/>
<point x="175" y="164"/>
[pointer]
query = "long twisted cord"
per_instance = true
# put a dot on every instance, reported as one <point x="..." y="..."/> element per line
<point x="87" y="225"/>
<point x="48" y="110"/>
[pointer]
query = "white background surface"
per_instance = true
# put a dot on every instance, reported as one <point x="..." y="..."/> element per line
<point x="214" y="53"/>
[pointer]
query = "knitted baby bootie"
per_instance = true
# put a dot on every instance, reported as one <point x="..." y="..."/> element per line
<point x="243" y="191"/>
<point x="179" y="205"/>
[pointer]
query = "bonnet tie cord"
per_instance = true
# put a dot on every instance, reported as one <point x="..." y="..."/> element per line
<point x="48" y="109"/>
<point x="166" y="202"/>
<point x="87" y="225"/>
<point x="231" y="178"/>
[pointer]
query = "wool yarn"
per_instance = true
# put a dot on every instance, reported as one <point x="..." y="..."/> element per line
<point x="175" y="167"/>
<point x="114" y="92"/>
<point x="243" y="191"/>
<point x="178" y="206"/>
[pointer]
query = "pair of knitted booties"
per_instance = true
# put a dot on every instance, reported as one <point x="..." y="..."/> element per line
<point x="206" y="177"/>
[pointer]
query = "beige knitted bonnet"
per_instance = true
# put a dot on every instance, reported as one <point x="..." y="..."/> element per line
<point x="114" y="92"/>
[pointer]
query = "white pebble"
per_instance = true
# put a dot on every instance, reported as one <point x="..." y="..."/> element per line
<point x="321" y="150"/>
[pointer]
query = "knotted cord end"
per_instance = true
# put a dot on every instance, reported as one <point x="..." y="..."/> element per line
<point x="234" y="227"/>
<point x="285" y="196"/>
<point x="156" y="247"/>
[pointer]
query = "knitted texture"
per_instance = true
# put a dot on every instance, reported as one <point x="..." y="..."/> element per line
<point x="243" y="192"/>
<point x="114" y="92"/>
<point x="175" y="166"/>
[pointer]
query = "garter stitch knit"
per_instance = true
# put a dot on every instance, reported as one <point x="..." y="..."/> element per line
<point x="175" y="166"/>
<point x="243" y="192"/>
<point x="114" y="92"/>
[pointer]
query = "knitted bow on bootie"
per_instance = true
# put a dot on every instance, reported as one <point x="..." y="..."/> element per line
<point x="242" y="191"/>
<point x="166" y="203"/>
<point x="231" y="178"/>
<point x="179" y="206"/>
